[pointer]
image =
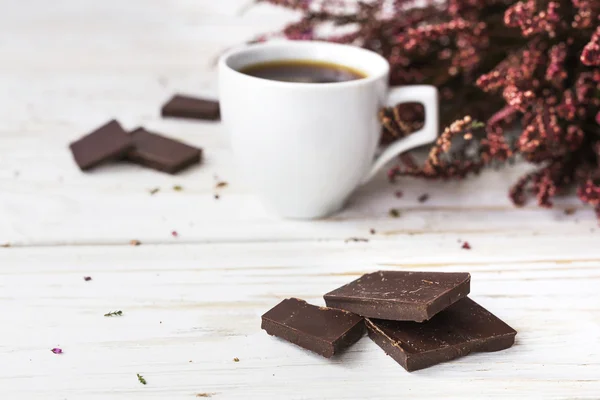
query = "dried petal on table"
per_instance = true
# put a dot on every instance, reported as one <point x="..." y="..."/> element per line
<point x="355" y="239"/>
<point x="114" y="314"/>
<point x="141" y="379"/>
<point x="570" y="211"/>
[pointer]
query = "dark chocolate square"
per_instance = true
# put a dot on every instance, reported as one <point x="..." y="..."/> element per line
<point x="180" y="106"/>
<point x="401" y="295"/>
<point x="323" y="330"/>
<point x="462" y="328"/>
<point x="109" y="142"/>
<point x="161" y="153"/>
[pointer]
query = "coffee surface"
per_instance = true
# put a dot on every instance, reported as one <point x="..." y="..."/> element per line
<point x="303" y="71"/>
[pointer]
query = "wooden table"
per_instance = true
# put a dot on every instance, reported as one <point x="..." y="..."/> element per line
<point x="192" y="303"/>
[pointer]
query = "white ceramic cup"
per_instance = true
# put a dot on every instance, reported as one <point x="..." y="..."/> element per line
<point x="304" y="147"/>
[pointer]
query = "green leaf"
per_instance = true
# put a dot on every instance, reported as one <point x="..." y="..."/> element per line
<point x="141" y="379"/>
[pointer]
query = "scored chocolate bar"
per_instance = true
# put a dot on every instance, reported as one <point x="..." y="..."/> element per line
<point x="464" y="327"/>
<point x="322" y="330"/>
<point x="400" y="295"/>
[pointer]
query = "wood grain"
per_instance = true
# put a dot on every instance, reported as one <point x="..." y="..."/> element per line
<point x="202" y="303"/>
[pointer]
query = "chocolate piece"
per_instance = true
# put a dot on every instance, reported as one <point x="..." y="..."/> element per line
<point x="161" y="153"/>
<point x="108" y="142"/>
<point x="320" y="329"/>
<point x="462" y="328"/>
<point x="400" y="295"/>
<point x="190" y="107"/>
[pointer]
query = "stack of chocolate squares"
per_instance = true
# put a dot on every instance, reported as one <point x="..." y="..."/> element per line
<point x="110" y="142"/>
<point x="418" y="318"/>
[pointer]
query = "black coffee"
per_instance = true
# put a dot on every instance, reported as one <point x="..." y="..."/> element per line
<point x="303" y="71"/>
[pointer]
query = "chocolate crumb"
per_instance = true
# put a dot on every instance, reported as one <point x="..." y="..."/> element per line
<point x="394" y="213"/>
<point x="372" y="231"/>
<point x="423" y="198"/>
<point x="570" y="211"/>
<point x="235" y="359"/>
<point x="5" y="245"/>
<point x="354" y="239"/>
<point x="221" y="185"/>
<point x="398" y="194"/>
<point x="466" y="246"/>
<point x="177" y="188"/>
<point x="154" y="191"/>
<point x="135" y="242"/>
<point x="205" y="394"/>
<point x="87" y="278"/>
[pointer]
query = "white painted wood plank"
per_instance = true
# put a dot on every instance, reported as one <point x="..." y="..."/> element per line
<point x="113" y="205"/>
<point x="202" y="303"/>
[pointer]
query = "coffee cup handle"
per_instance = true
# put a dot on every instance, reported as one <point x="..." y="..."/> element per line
<point x="424" y="94"/>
